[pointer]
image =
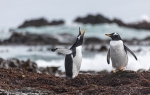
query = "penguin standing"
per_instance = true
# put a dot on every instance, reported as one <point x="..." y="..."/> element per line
<point x="73" y="57"/>
<point x="118" y="52"/>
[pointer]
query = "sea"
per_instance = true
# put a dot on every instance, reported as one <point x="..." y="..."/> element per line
<point x="91" y="61"/>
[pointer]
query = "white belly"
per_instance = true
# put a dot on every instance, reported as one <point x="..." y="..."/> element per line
<point x="118" y="55"/>
<point x="77" y="61"/>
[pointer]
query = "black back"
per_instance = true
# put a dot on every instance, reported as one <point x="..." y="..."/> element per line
<point x="68" y="65"/>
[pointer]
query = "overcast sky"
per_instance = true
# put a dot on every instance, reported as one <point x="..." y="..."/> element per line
<point x="14" y="12"/>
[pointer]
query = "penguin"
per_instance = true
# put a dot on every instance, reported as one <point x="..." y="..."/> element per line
<point x="73" y="56"/>
<point x="118" y="52"/>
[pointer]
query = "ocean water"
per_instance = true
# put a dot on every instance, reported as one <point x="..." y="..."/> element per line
<point x="98" y="30"/>
<point x="95" y="61"/>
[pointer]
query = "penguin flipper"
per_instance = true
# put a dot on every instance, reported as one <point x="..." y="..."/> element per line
<point x="127" y="49"/>
<point x="108" y="56"/>
<point x="62" y="50"/>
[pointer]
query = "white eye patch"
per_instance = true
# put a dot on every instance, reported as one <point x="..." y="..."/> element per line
<point x="115" y="34"/>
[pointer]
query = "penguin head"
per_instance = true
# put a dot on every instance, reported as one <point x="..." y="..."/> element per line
<point x="79" y="39"/>
<point x="114" y="36"/>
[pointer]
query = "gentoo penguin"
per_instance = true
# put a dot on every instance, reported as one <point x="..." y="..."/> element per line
<point x="73" y="56"/>
<point x="118" y="52"/>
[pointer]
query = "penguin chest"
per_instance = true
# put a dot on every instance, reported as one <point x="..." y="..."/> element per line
<point x="77" y="59"/>
<point x="118" y="54"/>
<point x="78" y="56"/>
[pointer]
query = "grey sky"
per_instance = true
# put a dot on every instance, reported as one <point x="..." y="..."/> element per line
<point x="14" y="12"/>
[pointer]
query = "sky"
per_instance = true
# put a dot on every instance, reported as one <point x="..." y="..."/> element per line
<point x="15" y="12"/>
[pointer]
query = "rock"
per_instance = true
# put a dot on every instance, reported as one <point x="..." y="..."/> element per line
<point x="60" y="39"/>
<point x="59" y="22"/>
<point x="140" y="25"/>
<point x="31" y="39"/>
<point x="29" y="66"/>
<point x="100" y="19"/>
<point x="118" y="22"/>
<point x="39" y="39"/>
<point x="1" y="60"/>
<point x="40" y="22"/>
<point x="92" y="40"/>
<point x="103" y="48"/>
<point x="139" y="50"/>
<point x="49" y="70"/>
<point x="90" y="19"/>
<point x="4" y="64"/>
<point x="14" y="63"/>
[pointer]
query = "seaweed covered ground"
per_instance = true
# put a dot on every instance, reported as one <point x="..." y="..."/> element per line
<point x="17" y="81"/>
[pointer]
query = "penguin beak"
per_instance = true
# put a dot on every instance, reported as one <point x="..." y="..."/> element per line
<point x="82" y="33"/>
<point x="108" y="35"/>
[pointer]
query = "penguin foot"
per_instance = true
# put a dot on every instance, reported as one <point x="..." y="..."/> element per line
<point x="122" y="69"/>
<point x="114" y="71"/>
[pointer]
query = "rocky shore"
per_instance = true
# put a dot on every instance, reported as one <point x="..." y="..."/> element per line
<point x="27" y="66"/>
<point x="18" y="81"/>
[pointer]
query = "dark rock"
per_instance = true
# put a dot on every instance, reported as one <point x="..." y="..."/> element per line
<point x="29" y="66"/>
<point x="92" y="48"/>
<point x="140" y="25"/>
<point x="4" y="64"/>
<point x="31" y="39"/>
<point x="60" y="39"/>
<point x="39" y="39"/>
<point x="90" y="19"/>
<point x="119" y="22"/>
<point x="103" y="48"/>
<point x="40" y="22"/>
<point x="99" y="19"/>
<point x="92" y="40"/>
<point x="59" y="22"/>
<point x="1" y="60"/>
<point x="139" y="50"/>
<point x="14" y="63"/>
<point x="52" y="70"/>
<point x="10" y="63"/>
<point x="49" y="70"/>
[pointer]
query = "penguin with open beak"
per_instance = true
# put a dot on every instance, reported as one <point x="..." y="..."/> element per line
<point x="118" y="52"/>
<point x="73" y="58"/>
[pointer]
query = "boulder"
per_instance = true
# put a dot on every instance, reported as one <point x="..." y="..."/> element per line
<point x="90" y="19"/>
<point x="40" y="22"/>
<point x="31" y="39"/>
<point x="100" y="19"/>
<point x="103" y="48"/>
<point x="92" y="40"/>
